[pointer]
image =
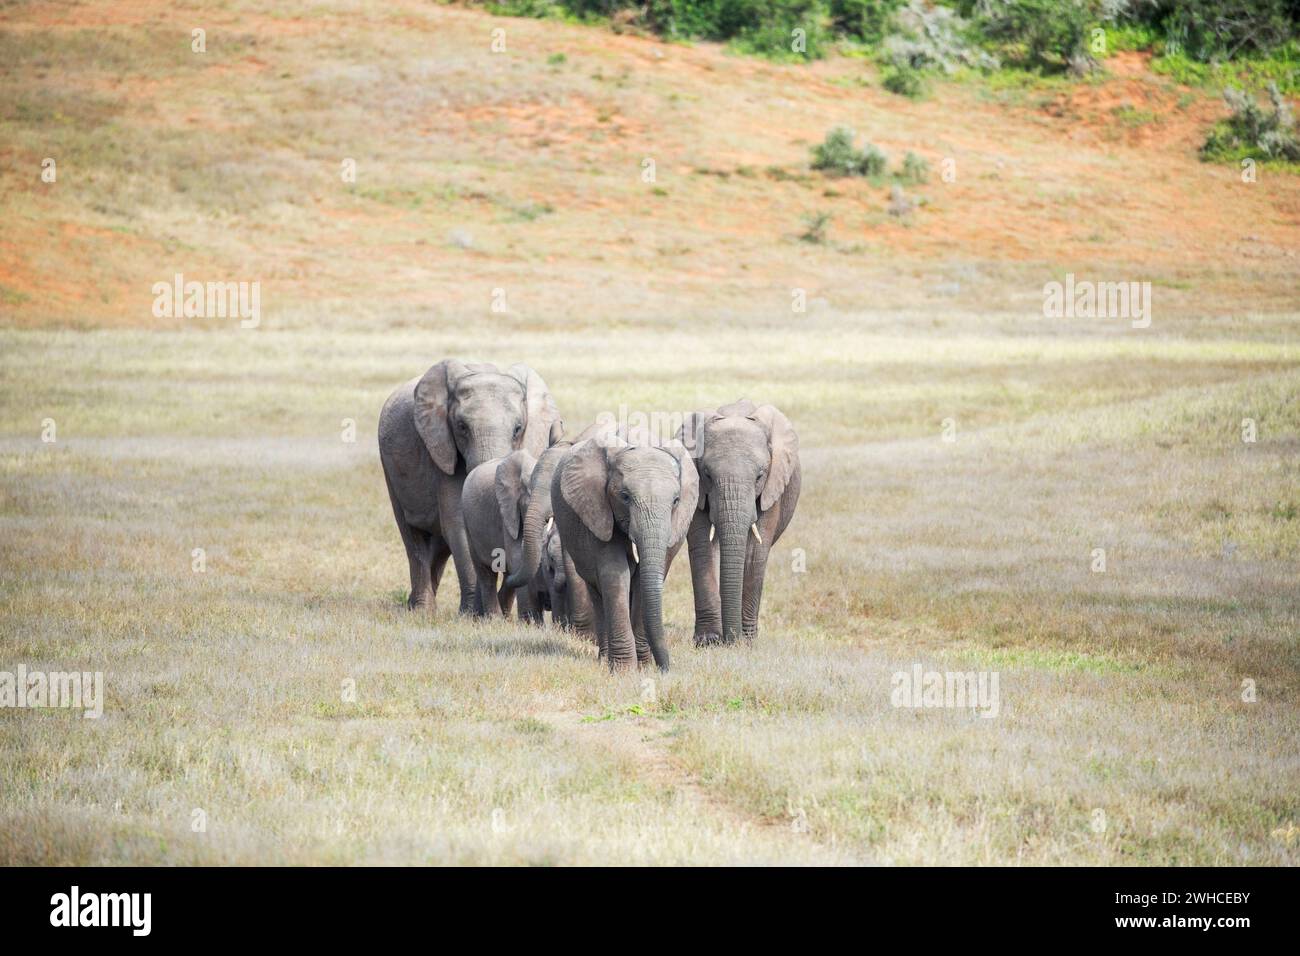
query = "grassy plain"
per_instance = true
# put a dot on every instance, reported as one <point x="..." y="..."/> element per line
<point x="1121" y="691"/>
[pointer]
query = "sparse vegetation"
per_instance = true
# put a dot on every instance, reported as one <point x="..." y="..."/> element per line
<point x="905" y="81"/>
<point x="914" y="169"/>
<point x="1254" y="131"/>
<point x="1120" y="690"/>
<point x="815" y="227"/>
<point x="838" y="156"/>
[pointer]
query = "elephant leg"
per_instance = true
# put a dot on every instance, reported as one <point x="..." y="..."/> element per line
<point x="615" y="585"/>
<point x="752" y="595"/>
<point x="419" y="556"/>
<point x="704" y="580"/>
<point x="581" y="613"/>
<point x="528" y="612"/>
<point x="598" y="618"/>
<point x="559" y="608"/>
<point x="486" y="581"/>
<point x="440" y="552"/>
<point x="453" y="529"/>
<point x="643" y="656"/>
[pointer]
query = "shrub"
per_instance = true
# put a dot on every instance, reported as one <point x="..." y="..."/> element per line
<point x="923" y="37"/>
<point x="837" y="156"/>
<point x="1043" y="34"/>
<point x="1252" y="130"/>
<point x="865" y="20"/>
<point x="915" y="169"/>
<point x="1225" y="29"/>
<point x="904" y="81"/>
<point x="759" y="26"/>
<point x="815" y="226"/>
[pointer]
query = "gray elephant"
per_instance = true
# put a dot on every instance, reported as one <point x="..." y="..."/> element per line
<point x="493" y="502"/>
<point x="747" y="457"/>
<point x="551" y="582"/>
<point x="566" y="593"/>
<point x="623" y="511"/>
<point x="433" y="431"/>
<point x="537" y="526"/>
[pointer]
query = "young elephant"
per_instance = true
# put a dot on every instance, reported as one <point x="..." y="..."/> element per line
<point x="494" y="501"/>
<point x="537" y="526"/>
<point x="433" y="431"/>
<point x="747" y="456"/>
<point x="623" y="511"/>
<point x="551" y="579"/>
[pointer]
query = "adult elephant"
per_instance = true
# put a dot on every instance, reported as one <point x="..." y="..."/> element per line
<point x="623" y="511"/>
<point x="747" y="457"/>
<point x="433" y="431"/>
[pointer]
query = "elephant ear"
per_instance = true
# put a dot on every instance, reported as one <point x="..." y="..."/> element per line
<point x="557" y="433"/>
<point x="542" y="410"/>
<point x="584" y="475"/>
<point x="690" y="494"/>
<point x="432" y="400"/>
<point x="691" y="437"/>
<point x="512" y="490"/>
<point x="784" y="446"/>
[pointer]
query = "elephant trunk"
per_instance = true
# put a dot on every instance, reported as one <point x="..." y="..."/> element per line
<point x="535" y="518"/>
<point x="733" y="516"/>
<point x="486" y="444"/>
<point x="650" y="574"/>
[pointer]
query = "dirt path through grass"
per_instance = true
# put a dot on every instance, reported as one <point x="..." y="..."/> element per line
<point x="646" y="742"/>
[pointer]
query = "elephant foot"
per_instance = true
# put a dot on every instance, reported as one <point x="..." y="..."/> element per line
<point x="423" y="605"/>
<point x="708" y="639"/>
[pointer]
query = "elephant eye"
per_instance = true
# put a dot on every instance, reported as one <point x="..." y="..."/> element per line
<point x="625" y="496"/>
<point x="677" y="500"/>
<point x="519" y="430"/>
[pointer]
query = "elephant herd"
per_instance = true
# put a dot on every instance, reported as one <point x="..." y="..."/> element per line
<point x="479" y="469"/>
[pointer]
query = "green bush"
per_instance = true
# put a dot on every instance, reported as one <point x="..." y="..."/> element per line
<point x="904" y="81"/>
<point x="759" y="26"/>
<point x="1226" y="29"/>
<point x="915" y="169"/>
<point x="837" y="156"/>
<point x="815" y="226"/>
<point x="1252" y="131"/>
<point x="865" y="20"/>
<point x="1040" y="34"/>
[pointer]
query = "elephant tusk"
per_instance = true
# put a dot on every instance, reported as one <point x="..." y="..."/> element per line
<point x="635" y="557"/>
<point x="550" y="520"/>
<point x="712" y="532"/>
<point x="754" y="528"/>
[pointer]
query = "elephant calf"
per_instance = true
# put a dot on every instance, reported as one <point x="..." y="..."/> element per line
<point x="622" y="511"/>
<point x="542" y="538"/>
<point x="747" y="457"/>
<point x="493" y="502"/>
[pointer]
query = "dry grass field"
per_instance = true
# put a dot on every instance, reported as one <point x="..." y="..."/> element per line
<point x="1126" y="733"/>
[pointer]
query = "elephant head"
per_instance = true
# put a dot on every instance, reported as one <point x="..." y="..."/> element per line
<point x="475" y="413"/>
<point x="513" y="492"/>
<point x="645" y="494"/>
<point x="540" y="510"/>
<point x="746" y="454"/>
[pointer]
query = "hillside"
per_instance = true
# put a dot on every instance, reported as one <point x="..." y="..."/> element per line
<point x="523" y="170"/>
